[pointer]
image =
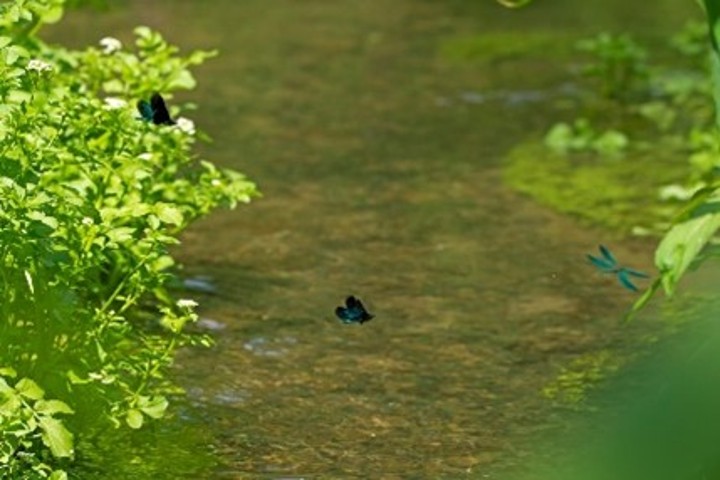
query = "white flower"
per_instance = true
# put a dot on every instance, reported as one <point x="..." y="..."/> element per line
<point x="186" y="303"/>
<point x="147" y="156"/>
<point x="87" y="221"/>
<point x="215" y="182"/>
<point x="186" y="125"/>
<point x="114" y="103"/>
<point x="39" y="66"/>
<point x="110" y="45"/>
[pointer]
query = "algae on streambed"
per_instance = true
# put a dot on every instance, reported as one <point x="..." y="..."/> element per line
<point x="619" y="193"/>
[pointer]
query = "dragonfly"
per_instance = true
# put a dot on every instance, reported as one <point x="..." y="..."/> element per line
<point x="353" y="312"/>
<point x="608" y="264"/>
<point x="155" y="110"/>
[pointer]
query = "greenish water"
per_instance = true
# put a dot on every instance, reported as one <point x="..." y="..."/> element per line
<point x="378" y="152"/>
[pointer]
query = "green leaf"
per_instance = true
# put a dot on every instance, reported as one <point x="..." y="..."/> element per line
<point x="153" y="407"/>
<point x="51" y="407"/>
<point x="58" y="475"/>
<point x="19" y="96"/>
<point x="4" y="387"/>
<point x="559" y="136"/>
<point x="682" y="244"/>
<point x="121" y="234"/>
<point x="75" y="379"/>
<point x="611" y="142"/>
<point x="142" y="31"/>
<point x="102" y="354"/>
<point x="162" y="263"/>
<point x="139" y="209"/>
<point x="183" y="79"/>
<point x="8" y="372"/>
<point x="52" y="14"/>
<point x="41" y="217"/>
<point x="13" y="53"/>
<point x="56" y="437"/>
<point x="169" y="214"/>
<point x="5" y="41"/>
<point x="134" y="418"/>
<point x="29" y="389"/>
<point x="113" y="86"/>
<point x="10" y="402"/>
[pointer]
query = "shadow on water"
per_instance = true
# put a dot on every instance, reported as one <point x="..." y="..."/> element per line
<point x="379" y="161"/>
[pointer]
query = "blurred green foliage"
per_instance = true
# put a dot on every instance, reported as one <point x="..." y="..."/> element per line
<point x="663" y="423"/>
<point x="666" y="107"/>
<point x="580" y="136"/>
<point x="619" y="64"/>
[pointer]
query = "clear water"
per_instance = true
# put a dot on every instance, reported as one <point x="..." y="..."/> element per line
<point x="379" y="160"/>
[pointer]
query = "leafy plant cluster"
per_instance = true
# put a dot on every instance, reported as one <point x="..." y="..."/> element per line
<point x="581" y="136"/>
<point x="646" y="444"/>
<point x="620" y="64"/>
<point x="91" y="199"/>
<point x="676" y="106"/>
<point x="671" y="103"/>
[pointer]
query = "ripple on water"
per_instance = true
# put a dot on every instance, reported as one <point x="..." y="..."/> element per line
<point x="269" y="347"/>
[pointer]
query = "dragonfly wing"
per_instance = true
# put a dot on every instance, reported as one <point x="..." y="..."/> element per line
<point x="607" y="255"/>
<point x="601" y="263"/>
<point x="355" y="310"/>
<point x="161" y="116"/>
<point x="352" y="302"/>
<point x="635" y="273"/>
<point x="624" y="280"/>
<point x="344" y="315"/>
<point x="146" y="111"/>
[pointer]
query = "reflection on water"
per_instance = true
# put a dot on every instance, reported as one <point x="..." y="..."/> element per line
<point x="202" y="284"/>
<point x="374" y="188"/>
<point x="269" y="347"/>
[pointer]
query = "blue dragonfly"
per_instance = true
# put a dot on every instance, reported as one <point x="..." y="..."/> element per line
<point x="608" y="264"/>
<point x="353" y="312"/>
<point x="155" y="110"/>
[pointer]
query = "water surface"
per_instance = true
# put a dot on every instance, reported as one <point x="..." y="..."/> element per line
<point x="379" y="159"/>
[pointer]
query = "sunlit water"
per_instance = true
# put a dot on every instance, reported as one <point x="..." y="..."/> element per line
<point x="380" y="163"/>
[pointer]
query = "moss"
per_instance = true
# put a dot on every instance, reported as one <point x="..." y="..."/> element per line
<point x="572" y="384"/>
<point x="619" y="193"/>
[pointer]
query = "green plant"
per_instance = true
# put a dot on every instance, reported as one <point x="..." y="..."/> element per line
<point x="692" y="39"/>
<point x="620" y="64"/>
<point x="682" y="246"/>
<point x="580" y="136"/>
<point x="91" y="199"/>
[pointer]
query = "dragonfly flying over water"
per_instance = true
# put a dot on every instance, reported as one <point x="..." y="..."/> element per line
<point x="608" y="264"/>
<point x="353" y="311"/>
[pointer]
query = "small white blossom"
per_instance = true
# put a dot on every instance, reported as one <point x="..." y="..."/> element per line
<point x="215" y="182"/>
<point x="39" y="66"/>
<point x="114" y="103"/>
<point x="110" y="45"/>
<point x="186" y="303"/>
<point x="186" y="125"/>
<point x="147" y="156"/>
<point x="87" y="221"/>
